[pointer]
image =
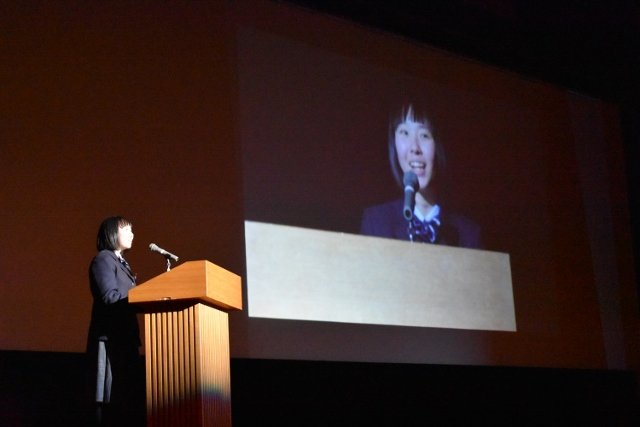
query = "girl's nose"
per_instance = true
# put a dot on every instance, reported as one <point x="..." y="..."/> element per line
<point x="415" y="145"/>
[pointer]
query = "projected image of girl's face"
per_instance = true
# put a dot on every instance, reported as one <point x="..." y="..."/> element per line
<point x="415" y="148"/>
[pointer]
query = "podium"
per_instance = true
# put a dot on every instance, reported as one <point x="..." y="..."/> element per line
<point x="187" y="343"/>
<point x="314" y="275"/>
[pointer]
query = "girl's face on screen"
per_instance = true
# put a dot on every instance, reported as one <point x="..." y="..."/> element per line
<point x="416" y="148"/>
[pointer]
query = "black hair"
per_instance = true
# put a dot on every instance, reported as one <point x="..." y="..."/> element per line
<point x="108" y="232"/>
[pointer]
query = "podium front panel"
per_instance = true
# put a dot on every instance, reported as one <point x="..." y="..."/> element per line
<point x="306" y="274"/>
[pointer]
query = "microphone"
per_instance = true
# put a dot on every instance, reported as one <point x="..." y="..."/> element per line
<point x="410" y="182"/>
<point x="155" y="248"/>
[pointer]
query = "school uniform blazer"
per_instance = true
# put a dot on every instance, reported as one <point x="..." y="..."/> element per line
<point x="112" y="317"/>
<point x="387" y="220"/>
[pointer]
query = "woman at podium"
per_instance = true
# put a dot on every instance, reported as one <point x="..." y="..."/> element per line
<point x="114" y="338"/>
<point x="417" y="162"/>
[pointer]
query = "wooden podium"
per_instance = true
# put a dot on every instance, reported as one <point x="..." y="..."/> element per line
<point x="187" y="343"/>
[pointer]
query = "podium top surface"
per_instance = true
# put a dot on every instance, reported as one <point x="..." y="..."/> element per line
<point x="202" y="281"/>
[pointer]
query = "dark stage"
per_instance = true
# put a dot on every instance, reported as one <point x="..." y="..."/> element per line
<point x="41" y="388"/>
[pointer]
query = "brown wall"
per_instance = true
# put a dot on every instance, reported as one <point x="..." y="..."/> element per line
<point x="132" y="109"/>
<point x="110" y="109"/>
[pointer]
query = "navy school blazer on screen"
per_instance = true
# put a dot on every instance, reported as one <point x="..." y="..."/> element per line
<point x="386" y="220"/>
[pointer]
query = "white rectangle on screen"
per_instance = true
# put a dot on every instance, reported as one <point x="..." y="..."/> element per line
<point x="305" y="274"/>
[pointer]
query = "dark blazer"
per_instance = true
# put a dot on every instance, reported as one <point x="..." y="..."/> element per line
<point x="386" y="220"/>
<point x="112" y="317"/>
<point x="114" y="373"/>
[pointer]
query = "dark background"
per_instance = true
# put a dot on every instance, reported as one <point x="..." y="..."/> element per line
<point x="129" y="108"/>
<point x="592" y="47"/>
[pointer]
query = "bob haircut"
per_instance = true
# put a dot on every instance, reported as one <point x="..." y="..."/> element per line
<point x="409" y="113"/>
<point x="108" y="232"/>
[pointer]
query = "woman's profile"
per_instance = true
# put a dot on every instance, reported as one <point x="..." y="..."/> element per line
<point x="114" y="338"/>
<point x="418" y="160"/>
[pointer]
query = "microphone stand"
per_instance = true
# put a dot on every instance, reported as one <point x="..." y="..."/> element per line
<point x="410" y="230"/>
<point x="409" y="219"/>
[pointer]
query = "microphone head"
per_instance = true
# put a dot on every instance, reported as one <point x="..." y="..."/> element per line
<point x="155" y="248"/>
<point x="410" y="179"/>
